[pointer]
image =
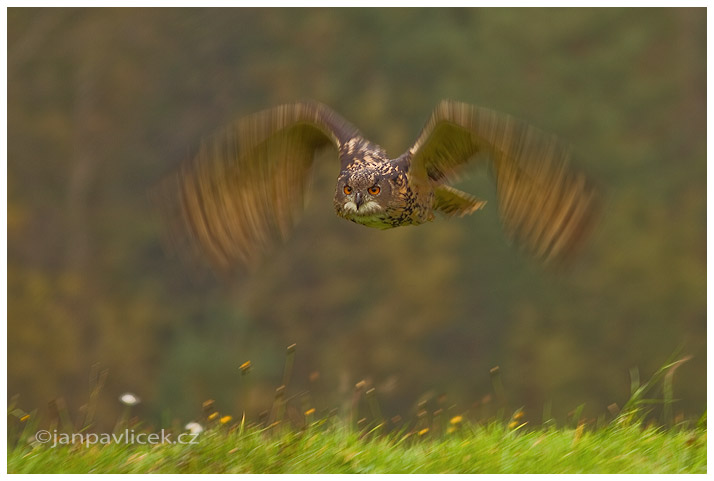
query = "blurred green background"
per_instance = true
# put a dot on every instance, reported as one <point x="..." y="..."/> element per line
<point x="103" y="103"/>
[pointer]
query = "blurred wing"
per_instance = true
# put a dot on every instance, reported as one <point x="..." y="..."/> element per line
<point x="246" y="186"/>
<point x="544" y="205"/>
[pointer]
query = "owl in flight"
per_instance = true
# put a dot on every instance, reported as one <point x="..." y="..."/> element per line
<point x="246" y="186"/>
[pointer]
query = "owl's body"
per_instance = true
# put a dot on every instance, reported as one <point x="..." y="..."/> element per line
<point x="246" y="186"/>
<point x="374" y="190"/>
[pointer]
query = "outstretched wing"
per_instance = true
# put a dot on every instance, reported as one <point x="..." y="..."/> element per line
<point x="544" y="204"/>
<point x="245" y="187"/>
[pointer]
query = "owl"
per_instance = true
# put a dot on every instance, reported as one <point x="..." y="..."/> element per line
<point x="246" y="186"/>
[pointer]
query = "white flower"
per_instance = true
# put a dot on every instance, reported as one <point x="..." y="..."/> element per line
<point x="129" y="399"/>
<point x="194" y="427"/>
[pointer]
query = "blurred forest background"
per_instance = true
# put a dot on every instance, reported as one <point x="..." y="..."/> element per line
<point x="103" y="103"/>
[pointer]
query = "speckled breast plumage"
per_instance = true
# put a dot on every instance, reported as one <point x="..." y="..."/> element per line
<point x="365" y="163"/>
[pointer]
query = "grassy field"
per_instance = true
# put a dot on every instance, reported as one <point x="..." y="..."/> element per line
<point x="326" y="447"/>
<point x="630" y="442"/>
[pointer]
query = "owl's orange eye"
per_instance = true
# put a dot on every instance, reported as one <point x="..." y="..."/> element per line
<point x="347" y="190"/>
<point x="374" y="190"/>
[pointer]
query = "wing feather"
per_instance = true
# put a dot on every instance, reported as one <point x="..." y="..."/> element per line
<point x="545" y="205"/>
<point x="246" y="186"/>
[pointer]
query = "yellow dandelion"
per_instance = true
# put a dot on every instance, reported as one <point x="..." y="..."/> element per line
<point x="24" y="418"/>
<point x="518" y="415"/>
<point x="456" y="419"/>
<point x="310" y="412"/>
<point x="512" y="424"/>
<point x="245" y="367"/>
<point x="451" y="429"/>
<point x="423" y="431"/>
<point x="226" y="419"/>
<point x="213" y="415"/>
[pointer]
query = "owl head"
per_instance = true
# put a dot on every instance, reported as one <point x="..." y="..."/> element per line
<point x="362" y="194"/>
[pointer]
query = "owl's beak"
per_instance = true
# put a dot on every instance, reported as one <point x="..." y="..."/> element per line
<point x="358" y="199"/>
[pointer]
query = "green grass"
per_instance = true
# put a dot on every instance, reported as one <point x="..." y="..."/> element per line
<point x="327" y="447"/>
<point x="334" y="445"/>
